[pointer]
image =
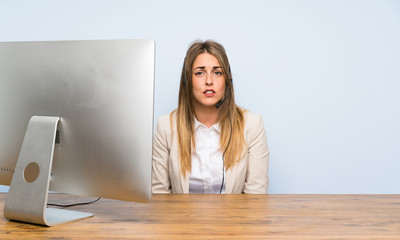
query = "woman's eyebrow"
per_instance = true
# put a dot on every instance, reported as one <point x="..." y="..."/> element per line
<point x="203" y="67"/>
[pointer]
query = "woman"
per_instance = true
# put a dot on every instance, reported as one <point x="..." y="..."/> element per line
<point x="208" y="144"/>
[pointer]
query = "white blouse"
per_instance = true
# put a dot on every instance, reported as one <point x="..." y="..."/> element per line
<point x="207" y="161"/>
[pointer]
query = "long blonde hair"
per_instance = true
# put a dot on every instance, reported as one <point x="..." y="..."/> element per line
<point x="230" y="118"/>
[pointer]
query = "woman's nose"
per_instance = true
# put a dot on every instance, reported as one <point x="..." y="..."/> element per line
<point x="209" y="80"/>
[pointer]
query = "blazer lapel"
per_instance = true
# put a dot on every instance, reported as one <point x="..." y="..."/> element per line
<point x="230" y="178"/>
<point x="185" y="182"/>
<point x="181" y="180"/>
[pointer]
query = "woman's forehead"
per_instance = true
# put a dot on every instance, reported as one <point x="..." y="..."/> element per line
<point x="206" y="60"/>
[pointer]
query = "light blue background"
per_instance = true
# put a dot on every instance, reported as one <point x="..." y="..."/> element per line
<point x="325" y="75"/>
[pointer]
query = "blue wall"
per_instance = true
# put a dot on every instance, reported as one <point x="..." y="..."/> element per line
<point x="325" y="75"/>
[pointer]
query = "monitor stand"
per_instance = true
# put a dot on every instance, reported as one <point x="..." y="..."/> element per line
<point x="27" y="197"/>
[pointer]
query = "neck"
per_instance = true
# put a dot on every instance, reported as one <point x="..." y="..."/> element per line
<point x="207" y="116"/>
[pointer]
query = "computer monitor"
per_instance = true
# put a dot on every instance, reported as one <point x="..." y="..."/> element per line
<point x="78" y="117"/>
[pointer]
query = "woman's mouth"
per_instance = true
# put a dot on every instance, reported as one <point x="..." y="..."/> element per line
<point x="209" y="93"/>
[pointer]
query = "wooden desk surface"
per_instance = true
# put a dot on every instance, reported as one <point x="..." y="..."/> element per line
<point x="224" y="217"/>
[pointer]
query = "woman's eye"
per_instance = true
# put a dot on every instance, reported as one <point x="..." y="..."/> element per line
<point x="218" y="73"/>
<point x="198" y="73"/>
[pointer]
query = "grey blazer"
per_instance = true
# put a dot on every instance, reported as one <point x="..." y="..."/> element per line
<point x="249" y="175"/>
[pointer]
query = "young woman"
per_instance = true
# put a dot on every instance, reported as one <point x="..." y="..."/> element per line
<point x="209" y="144"/>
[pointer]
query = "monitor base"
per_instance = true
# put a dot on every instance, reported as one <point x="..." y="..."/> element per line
<point x="27" y="197"/>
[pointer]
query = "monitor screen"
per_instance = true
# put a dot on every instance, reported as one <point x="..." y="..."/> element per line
<point x="102" y="92"/>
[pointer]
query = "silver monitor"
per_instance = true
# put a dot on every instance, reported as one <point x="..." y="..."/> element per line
<point x="78" y="117"/>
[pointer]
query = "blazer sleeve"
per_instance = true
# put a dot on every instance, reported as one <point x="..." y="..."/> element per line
<point x="258" y="157"/>
<point x="160" y="173"/>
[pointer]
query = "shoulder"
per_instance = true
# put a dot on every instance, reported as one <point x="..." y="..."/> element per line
<point x="164" y="122"/>
<point x="164" y="132"/>
<point x="253" y="126"/>
<point x="252" y="120"/>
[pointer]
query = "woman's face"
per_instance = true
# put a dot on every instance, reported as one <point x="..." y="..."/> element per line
<point x="208" y="81"/>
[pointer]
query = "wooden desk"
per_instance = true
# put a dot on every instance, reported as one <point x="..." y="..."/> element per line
<point x="225" y="217"/>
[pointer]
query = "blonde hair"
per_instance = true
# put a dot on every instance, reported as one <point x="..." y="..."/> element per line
<point x="231" y="117"/>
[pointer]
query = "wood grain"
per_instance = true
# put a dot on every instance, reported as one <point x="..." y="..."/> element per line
<point x="224" y="217"/>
